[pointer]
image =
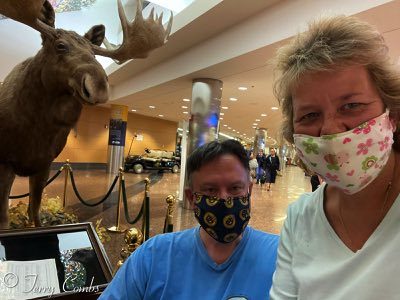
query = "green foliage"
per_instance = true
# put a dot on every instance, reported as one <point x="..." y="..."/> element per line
<point x="51" y="213"/>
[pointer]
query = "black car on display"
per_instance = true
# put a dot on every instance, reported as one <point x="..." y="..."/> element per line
<point x="152" y="160"/>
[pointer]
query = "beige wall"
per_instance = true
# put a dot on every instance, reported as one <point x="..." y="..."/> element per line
<point x="89" y="142"/>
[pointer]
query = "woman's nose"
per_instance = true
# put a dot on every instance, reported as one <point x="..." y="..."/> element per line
<point x="332" y="125"/>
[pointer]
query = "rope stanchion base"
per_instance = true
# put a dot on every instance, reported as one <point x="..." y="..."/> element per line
<point x="116" y="229"/>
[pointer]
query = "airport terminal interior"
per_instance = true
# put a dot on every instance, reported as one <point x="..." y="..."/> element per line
<point x="154" y="106"/>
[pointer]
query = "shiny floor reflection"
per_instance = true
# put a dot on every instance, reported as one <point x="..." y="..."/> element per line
<point x="268" y="207"/>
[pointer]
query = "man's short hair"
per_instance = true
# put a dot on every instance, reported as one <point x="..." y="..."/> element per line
<point x="212" y="150"/>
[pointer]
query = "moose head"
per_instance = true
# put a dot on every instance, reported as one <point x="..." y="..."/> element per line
<point x="41" y="99"/>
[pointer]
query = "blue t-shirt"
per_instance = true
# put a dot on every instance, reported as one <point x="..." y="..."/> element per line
<point x="177" y="266"/>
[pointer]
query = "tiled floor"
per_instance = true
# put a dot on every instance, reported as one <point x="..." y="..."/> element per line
<point x="268" y="207"/>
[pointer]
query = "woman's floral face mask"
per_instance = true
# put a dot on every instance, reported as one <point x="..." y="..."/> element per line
<point x="349" y="160"/>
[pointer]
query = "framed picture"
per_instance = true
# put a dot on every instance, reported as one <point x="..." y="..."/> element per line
<point x="60" y="261"/>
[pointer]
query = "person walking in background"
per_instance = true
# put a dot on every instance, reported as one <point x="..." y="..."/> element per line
<point x="340" y="95"/>
<point x="261" y="162"/>
<point x="315" y="181"/>
<point x="253" y="164"/>
<point x="272" y="165"/>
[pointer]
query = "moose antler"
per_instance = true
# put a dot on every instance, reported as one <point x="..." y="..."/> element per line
<point x="139" y="36"/>
<point x="29" y="12"/>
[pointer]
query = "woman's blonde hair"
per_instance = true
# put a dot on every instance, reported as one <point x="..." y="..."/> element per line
<point x="330" y="42"/>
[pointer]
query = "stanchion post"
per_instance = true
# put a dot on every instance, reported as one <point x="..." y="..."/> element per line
<point x="146" y="213"/>
<point x="67" y="169"/>
<point x="171" y="200"/>
<point x="117" y="227"/>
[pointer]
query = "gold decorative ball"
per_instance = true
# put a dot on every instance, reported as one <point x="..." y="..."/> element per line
<point x="133" y="236"/>
<point x="170" y="199"/>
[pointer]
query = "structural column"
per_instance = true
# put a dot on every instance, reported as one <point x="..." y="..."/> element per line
<point x="204" y="119"/>
<point x="259" y="140"/>
<point x="116" y="137"/>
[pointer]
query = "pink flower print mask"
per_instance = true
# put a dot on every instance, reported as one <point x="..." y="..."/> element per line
<point x="349" y="160"/>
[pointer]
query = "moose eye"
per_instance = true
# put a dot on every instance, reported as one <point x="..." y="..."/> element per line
<point x="61" y="47"/>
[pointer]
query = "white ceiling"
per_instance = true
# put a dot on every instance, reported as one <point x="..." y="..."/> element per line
<point x="165" y="78"/>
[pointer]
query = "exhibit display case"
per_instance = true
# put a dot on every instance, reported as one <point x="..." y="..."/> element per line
<point x="66" y="261"/>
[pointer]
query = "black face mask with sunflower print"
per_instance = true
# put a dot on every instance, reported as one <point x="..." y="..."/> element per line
<point x="223" y="219"/>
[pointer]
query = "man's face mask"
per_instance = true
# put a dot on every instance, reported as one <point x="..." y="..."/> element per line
<point x="223" y="219"/>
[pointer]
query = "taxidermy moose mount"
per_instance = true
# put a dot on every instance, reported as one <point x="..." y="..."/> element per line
<point x="41" y="99"/>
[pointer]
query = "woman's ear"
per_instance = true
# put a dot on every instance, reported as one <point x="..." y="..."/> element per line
<point x="394" y="117"/>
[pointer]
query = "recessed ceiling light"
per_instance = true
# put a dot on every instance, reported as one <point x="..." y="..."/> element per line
<point x="254" y="127"/>
<point x="274" y="108"/>
<point x="186" y="99"/>
<point x="225" y="125"/>
<point x="263" y="115"/>
<point x="161" y="116"/>
<point x="242" y="88"/>
<point x="258" y="120"/>
<point x="152" y="106"/>
<point x="229" y="127"/>
<point x="233" y="99"/>
<point x="244" y="134"/>
<point x="183" y="106"/>
<point x="221" y="118"/>
<point x="185" y="112"/>
<point x="222" y="114"/>
<point x="234" y="130"/>
<point x="224" y="107"/>
<point x="133" y="109"/>
<point x="255" y="124"/>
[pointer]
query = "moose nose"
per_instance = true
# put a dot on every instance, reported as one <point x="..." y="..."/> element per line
<point x="94" y="91"/>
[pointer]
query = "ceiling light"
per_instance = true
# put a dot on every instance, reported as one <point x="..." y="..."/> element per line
<point x="186" y="99"/>
<point x="242" y="88"/>
<point x="133" y="109"/>
<point x="152" y="106"/>
<point x="244" y="134"/>
<point x="274" y="108"/>
<point x="229" y="127"/>
<point x="225" y="125"/>
<point x="254" y="127"/>
<point x="185" y="112"/>
<point x="234" y="130"/>
<point x="161" y="116"/>
<point x="258" y="120"/>
<point x="224" y="107"/>
<point x="263" y="115"/>
<point x="222" y="114"/>
<point x="255" y="124"/>
<point x="233" y="99"/>
<point x="183" y="106"/>
<point x="221" y="118"/>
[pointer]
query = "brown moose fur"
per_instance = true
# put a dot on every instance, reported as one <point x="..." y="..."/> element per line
<point x="40" y="101"/>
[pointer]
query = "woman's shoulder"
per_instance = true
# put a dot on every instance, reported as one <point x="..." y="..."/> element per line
<point x="307" y="205"/>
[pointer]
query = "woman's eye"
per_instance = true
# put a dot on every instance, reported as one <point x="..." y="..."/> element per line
<point x="308" y="117"/>
<point x="353" y="105"/>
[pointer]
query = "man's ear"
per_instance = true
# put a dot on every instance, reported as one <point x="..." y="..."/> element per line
<point x="189" y="196"/>
<point x="250" y="187"/>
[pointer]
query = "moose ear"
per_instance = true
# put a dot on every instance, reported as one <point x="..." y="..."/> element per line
<point x="96" y="34"/>
<point x="47" y="14"/>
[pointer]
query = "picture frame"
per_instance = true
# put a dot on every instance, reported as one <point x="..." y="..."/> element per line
<point x="63" y="262"/>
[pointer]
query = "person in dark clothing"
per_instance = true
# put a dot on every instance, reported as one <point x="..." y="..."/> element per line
<point x="272" y="165"/>
<point x="315" y="182"/>
<point x="261" y="160"/>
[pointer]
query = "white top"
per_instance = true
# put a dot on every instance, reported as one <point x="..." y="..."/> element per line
<point x="313" y="263"/>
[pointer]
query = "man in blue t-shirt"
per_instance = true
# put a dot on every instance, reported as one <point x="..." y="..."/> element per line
<point x="223" y="258"/>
